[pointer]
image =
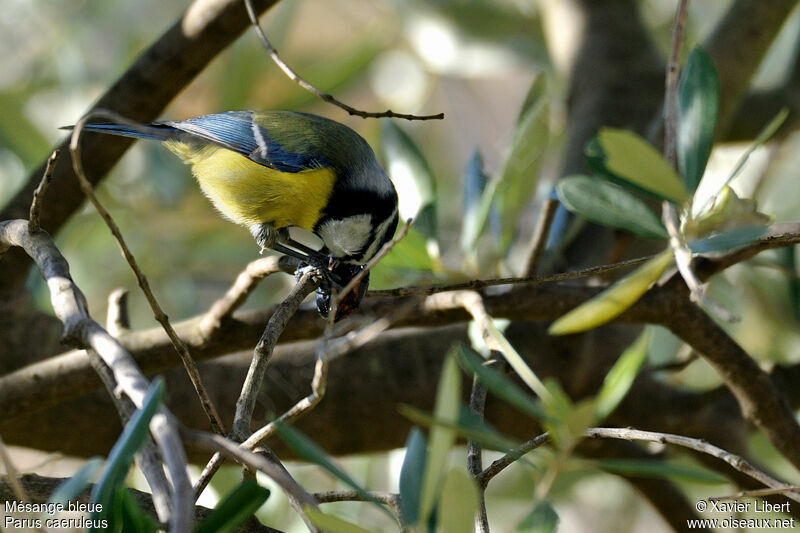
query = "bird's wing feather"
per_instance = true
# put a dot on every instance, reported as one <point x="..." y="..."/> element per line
<point x="241" y="132"/>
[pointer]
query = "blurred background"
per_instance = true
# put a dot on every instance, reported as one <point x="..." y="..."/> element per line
<point x="475" y="61"/>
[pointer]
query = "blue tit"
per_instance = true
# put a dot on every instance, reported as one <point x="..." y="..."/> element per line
<point x="272" y="170"/>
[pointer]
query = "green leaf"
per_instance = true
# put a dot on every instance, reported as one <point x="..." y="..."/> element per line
<point x="132" y="519"/>
<point x="698" y="103"/>
<point x="119" y="460"/>
<point x="727" y="241"/>
<point x="619" y="379"/>
<point x="412" y="177"/>
<point x="332" y="524"/>
<point x="600" y="201"/>
<point x="660" y="469"/>
<point x="542" y="519"/>
<point x="521" y="169"/>
<point x="473" y="185"/>
<point x="310" y="451"/>
<point x="614" y="300"/>
<point x="235" y="508"/>
<point x="762" y="137"/>
<point x="497" y="383"/>
<point x="441" y="439"/>
<point x="406" y="264"/>
<point x="566" y="421"/>
<point x="468" y="427"/>
<point x="458" y="503"/>
<point x="72" y="487"/>
<point x="634" y="160"/>
<point x="412" y="475"/>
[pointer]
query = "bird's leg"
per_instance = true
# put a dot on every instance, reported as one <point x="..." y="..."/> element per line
<point x="266" y="235"/>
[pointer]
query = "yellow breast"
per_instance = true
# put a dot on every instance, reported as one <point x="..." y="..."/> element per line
<point x="248" y="193"/>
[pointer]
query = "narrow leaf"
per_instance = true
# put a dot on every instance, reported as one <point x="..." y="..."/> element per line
<point x="600" y="201"/>
<point x="310" y="451"/>
<point x="542" y="519"/>
<point x="698" y="103"/>
<point x="412" y="177"/>
<point x="619" y="379"/>
<point x="411" y="476"/>
<point x="497" y="383"/>
<point x="521" y="169"/>
<point x="727" y="241"/>
<point x="614" y="300"/>
<point x="473" y="185"/>
<point x="131" y="516"/>
<point x="633" y="159"/>
<point x="762" y="137"/>
<point x="660" y="469"/>
<point x="466" y="427"/>
<point x="121" y="456"/>
<point x="458" y="503"/>
<point x="332" y="524"/>
<point x="235" y="508"/>
<point x="441" y="439"/>
<point x="72" y="487"/>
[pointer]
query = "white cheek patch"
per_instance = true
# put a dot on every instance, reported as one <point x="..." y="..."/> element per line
<point x="346" y="237"/>
<point x="379" y="234"/>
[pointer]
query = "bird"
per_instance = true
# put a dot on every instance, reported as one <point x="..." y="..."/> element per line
<point x="271" y="170"/>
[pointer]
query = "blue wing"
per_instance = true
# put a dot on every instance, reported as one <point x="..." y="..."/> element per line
<point x="243" y="132"/>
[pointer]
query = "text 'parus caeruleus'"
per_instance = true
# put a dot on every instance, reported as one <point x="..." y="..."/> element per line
<point x="275" y="169"/>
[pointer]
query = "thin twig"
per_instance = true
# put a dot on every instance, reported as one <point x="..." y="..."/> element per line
<point x="245" y="283"/>
<point x="389" y="499"/>
<point x="501" y="464"/>
<point x="526" y="280"/>
<point x="757" y="493"/>
<point x="736" y="461"/>
<point x="540" y="234"/>
<point x="246" y="402"/>
<point x="292" y="75"/>
<point x="183" y="351"/>
<point x="326" y="352"/>
<point x="69" y="305"/>
<point x="477" y="404"/>
<point x="147" y="458"/>
<point x="41" y="190"/>
<point x="472" y="302"/>
<point x="274" y="471"/>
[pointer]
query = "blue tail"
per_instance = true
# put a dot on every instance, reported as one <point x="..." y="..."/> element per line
<point x="156" y="131"/>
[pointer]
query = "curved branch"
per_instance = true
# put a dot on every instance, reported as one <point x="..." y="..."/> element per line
<point x="206" y="28"/>
<point x="81" y="330"/>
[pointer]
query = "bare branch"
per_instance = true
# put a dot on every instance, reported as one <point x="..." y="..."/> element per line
<point x="245" y="283"/>
<point x="70" y="307"/>
<point x="45" y="383"/>
<point x="736" y="461"/>
<point x="38" y="194"/>
<point x="263" y="351"/>
<point x="292" y="75"/>
<point x="160" y="316"/>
